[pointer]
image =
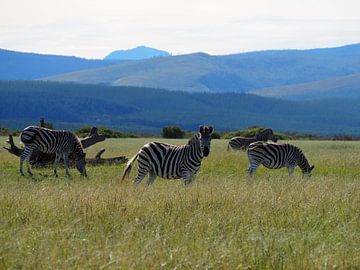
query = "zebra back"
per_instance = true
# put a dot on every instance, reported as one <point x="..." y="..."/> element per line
<point x="273" y="155"/>
<point x="51" y="141"/>
<point x="238" y="143"/>
<point x="265" y="135"/>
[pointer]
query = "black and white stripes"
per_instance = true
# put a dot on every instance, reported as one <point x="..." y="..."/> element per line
<point x="171" y="161"/>
<point x="238" y="143"/>
<point x="275" y="156"/>
<point x="60" y="142"/>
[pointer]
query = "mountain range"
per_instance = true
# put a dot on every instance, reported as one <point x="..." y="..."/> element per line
<point x="28" y="66"/>
<point x="245" y="72"/>
<point x="289" y="74"/>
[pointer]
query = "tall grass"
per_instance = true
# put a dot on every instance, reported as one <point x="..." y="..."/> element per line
<point x="224" y="221"/>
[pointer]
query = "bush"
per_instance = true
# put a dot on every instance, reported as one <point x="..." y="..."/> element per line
<point x="7" y="132"/>
<point x="251" y="132"/>
<point x="216" y="135"/>
<point x="109" y="133"/>
<point x="172" y="132"/>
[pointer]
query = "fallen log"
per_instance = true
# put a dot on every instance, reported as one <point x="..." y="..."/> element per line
<point x="98" y="160"/>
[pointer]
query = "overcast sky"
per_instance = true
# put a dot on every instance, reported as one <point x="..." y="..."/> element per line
<point x="94" y="28"/>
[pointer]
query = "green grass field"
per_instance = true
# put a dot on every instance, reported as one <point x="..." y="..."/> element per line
<point x="224" y="221"/>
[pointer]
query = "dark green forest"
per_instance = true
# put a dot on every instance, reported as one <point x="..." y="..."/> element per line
<point x="147" y="110"/>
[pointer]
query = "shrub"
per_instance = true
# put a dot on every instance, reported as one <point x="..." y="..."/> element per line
<point x="7" y="132"/>
<point x="216" y="135"/>
<point x="172" y="132"/>
<point x="109" y="133"/>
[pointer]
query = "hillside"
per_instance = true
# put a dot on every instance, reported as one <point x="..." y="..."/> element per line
<point x="147" y="110"/>
<point x="140" y="52"/>
<point x="25" y="66"/>
<point x="338" y="87"/>
<point x="230" y="73"/>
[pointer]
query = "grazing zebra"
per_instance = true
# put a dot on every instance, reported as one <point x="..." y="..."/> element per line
<point x="243" y="143"/>
<point x="275" y="156"/>
<point x="172" y="161"/>
<point x="49" y="141"/>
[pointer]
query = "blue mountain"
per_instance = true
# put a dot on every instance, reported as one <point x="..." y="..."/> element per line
<point x="27" y="66"/>
<point x="245" y="72"/>
<point x="137" y="53"/>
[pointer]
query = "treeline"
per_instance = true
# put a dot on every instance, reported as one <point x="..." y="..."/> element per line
<point x="174" y="132"/>
<point x="147" y="110"/>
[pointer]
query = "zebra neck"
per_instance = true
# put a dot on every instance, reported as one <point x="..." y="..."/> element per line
<point x="303" y="162"/>
<point x="78" y="149"/>
<point x="194" y="149"/>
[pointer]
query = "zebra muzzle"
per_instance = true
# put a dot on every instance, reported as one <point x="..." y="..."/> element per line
<point x="206" y="151"/>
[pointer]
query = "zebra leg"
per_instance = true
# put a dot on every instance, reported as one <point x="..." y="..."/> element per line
<point x="187" y="176"/>
<point x="25" y="155"/>
<point x="291" y="169"/>
<point x="252" y="168"/>
<point x="21" y="164"/>
<point x="192" y="178"/>
<point x="143" y="170"/>
<point x="151" y="178"/>
<point x="139" y="178"/>
<point x="66" y="163"/>
<point x="57" y="158"/>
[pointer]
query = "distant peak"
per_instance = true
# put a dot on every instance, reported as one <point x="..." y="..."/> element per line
<point x="138" y="53"/>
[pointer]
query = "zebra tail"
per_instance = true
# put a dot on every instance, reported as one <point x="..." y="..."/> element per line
<point x="228" y="148"/>
<point x="128" y="167"/>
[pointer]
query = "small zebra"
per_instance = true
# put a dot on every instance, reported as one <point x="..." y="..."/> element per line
<point x="60" y="142"/>
<point x="275" y="156"/>
<point x="172" y="161"/>
<point x="242" y="143"/>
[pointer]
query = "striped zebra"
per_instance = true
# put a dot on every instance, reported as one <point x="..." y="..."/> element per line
<point x="275" y="156"/>
<point x="242" y="143"/>
<point x="60" y="142"/>
<point x="172" y="161"/>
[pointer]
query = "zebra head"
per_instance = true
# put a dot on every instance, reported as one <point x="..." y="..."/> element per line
<point x="272" y="137"/>
<point x="80" y="164"/>
<point x="308" y="170"/>
<point x="205" y="139"/>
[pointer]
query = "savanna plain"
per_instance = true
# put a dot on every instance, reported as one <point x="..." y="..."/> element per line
<point x="225" y="220"/>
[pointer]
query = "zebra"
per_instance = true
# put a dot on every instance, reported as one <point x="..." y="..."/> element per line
<point x="243" y="143"/>
<point x="49" y="141"/>
<point x="275" y="156"/>
<point x="172" y="161"/>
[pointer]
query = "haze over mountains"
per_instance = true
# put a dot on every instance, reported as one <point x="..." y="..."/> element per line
<point x="293" y="74"/>
<point x="246" y="72"/>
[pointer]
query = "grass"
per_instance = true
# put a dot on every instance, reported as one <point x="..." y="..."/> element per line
<point x="223" y="221"/>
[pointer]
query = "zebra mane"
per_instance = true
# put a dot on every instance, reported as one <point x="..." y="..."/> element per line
<point x="194" y="138"/>
<point x="78" y="145"/>
<point x="267" y="130"/>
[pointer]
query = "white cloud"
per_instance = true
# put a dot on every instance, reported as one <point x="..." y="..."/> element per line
<point x="92" y="28"/>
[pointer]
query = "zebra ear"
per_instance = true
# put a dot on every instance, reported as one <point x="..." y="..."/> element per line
<point x="211" y="129"/>
<point x="201" y="129"/>
<point x="312" y="167"/>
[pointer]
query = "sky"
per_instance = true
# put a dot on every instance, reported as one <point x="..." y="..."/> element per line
<point x="93" y="28"/>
